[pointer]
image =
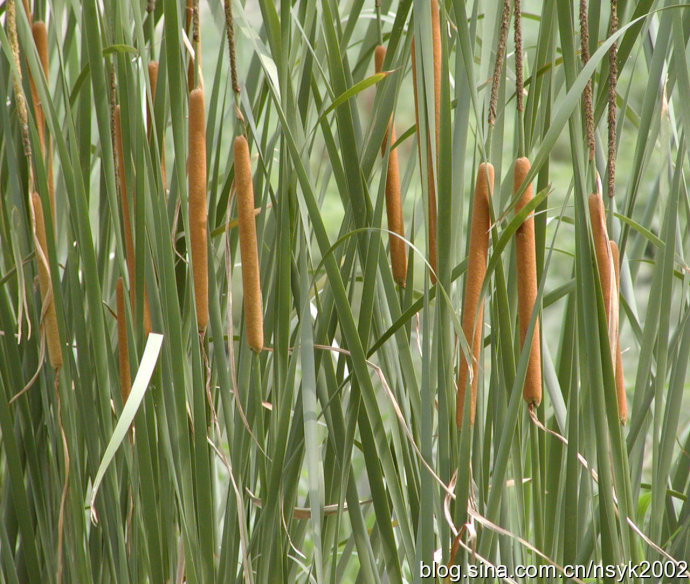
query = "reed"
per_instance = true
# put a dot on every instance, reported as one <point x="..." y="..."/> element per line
<point x="197" y="204"/>
<point x="472" y="308"/>
<point x="526" y="258"/>
<point x="251" y="284"/>
<point x="393" y="202"/>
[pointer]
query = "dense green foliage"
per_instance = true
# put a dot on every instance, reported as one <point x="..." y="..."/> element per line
<point x="333" y="455"/>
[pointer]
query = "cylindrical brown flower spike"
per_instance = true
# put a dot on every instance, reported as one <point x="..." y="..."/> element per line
<point x="604" y="264"/>
<point x="525" y="253"/>
<point x="251" y="285"/>
<point x="197" y="204"/>
<point x="620" y="380"/>
<point x="393" y="203"/>
<point x="123" y="350"/>
<point x="431" y="200"/>
<point x="472" y="308"/>
<point x="48" y="316"/>
<point x="40" y="35"/>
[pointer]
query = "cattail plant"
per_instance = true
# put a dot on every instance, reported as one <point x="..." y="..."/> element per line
<point x="607" y="265"/>
<point x="525" y="253"/>
<point x="472" y="308"/>
<point x="40" y="36"/>
<point x="604" y="262"/>
<point x="48" y="316"/>
<point x="393" y="203"/>
<point x="197" y="204"/>
<point x="251" y="285"/>
<point x="127" y="223"/>
<point x="123" y="350"/>
<point x="431" y="199"/>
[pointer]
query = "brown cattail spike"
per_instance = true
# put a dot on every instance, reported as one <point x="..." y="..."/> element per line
<point x="431" y="199"/>
<point x="473" y="309"/>
<point x="197" y="204"/>
<point x="48" y="316"/>
<point x="393" y="203"/>
<point x="123" y="351"/>
<point x="40" y="35"/>
<point x="620" y="380"/>
<point x="251" y="285"/>
<point x="525" y="253"/>
<point x="604" y="262"/>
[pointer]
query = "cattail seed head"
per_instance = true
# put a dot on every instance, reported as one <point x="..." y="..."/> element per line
<point x="604" y="264"/>
<point x="251" y="285"/>
<point x="473" y="309"/>
<point x="48" y="316"/>
<point x="393" y="203"/>
<point x="197" y="204"/>
<point x="526" y="257"/>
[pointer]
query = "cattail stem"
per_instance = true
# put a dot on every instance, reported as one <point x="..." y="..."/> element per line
<point x="123" y="350"/>
<point x="393" y="203"/>
<point x="526" y="256"/>
<point x="197" y="204"/>
<point x="48" y="315"/>
<point x="519" y="83"/>
<point x="620" y="380"/>
<point x="472" y="308"/>
<point x="251" y="284"/>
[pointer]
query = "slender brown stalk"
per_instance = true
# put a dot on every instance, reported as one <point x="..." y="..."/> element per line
<point x="526" y="256"/>
<point x="431" y="198"/>
<point x="519" y="83"/>
<point x="620" y="380"/>
<point x="197" y="204"/>
<point x="123" y="350"/>
<point x="48" y="315"/>
<point x="472" y="308"/>
<point x="251" y="284"/>
<point x="393" y="203"/>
